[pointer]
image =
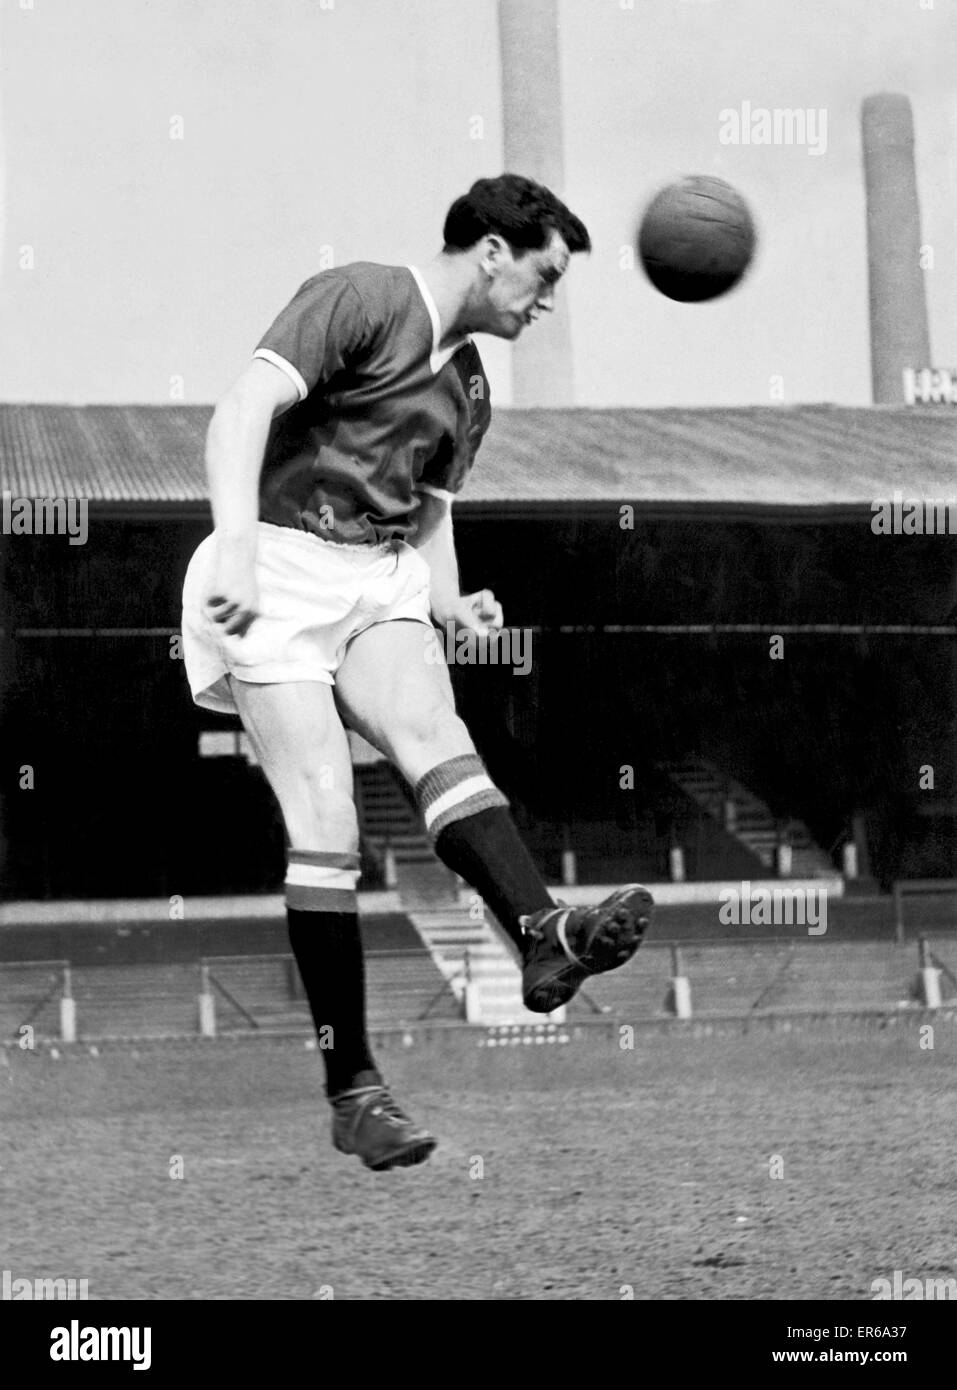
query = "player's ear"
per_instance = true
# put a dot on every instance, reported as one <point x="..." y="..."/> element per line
<point x="494" y="252"/>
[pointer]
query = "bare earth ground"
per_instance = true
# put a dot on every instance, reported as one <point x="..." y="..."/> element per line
<point x="575" y="1171"/>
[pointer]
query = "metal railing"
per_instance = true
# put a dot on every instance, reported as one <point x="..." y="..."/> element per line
<point x="919" y="887"/>
<point x="926" y="991"/>
<point x="62" y="983"/>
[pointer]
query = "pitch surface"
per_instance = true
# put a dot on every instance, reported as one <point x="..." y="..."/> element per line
<point x="581" y="1171"/>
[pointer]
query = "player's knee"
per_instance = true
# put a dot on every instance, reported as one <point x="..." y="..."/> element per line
<point x="321" y="814"/>
<point x="434" y="724"/>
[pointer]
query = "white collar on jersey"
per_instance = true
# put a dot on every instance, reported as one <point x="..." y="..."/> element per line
<point x="438" y="357"/>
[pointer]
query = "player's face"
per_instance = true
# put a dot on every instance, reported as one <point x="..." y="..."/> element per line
<point x="522" y="287"/>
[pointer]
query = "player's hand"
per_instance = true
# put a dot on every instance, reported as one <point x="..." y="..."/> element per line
<point x="232" y="598"/>
<point x="481" y="612"/>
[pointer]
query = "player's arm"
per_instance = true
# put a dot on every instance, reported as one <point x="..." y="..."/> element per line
<point x="320" y="329"/>
<point x="235" y="444"/>
<point x="435" y="541"/>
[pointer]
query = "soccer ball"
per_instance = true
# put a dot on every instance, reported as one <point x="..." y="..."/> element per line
<point x="696" y="239"/>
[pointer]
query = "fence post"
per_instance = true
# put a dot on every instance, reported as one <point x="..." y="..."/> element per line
<point x="388" y="867"/>
<point x="293" y="978"/>
<point x="680" y="985"/>
<point x="473" y="1007"/>
<point x="569" y="868"/>
<point x="898" y="914"/>
<point x="676" y="864"/>
<point x="849" y="859"/>
<point x="67" y="1008"/>
<point x="928" y="977"/>
<point x="207" y="1005"/>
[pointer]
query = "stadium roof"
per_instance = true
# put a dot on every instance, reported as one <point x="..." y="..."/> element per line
<point x="785" y="460"/>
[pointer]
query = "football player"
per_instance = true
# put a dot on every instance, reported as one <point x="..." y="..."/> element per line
<point x="332" y="466"/>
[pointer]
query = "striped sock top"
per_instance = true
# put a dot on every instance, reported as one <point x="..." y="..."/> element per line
<point x="321" y="881"/>
<point x="455" y="789"/>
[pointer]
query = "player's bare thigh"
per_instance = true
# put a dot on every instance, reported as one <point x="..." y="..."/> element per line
<point x="394" y="688"/>
<point x="299" y="740"/>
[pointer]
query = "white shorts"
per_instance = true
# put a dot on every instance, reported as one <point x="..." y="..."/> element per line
<point x="314" y="597"/>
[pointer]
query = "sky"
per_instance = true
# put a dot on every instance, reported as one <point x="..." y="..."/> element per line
<point x="171" y="172"/>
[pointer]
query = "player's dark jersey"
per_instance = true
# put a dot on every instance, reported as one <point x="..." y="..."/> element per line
<point x="382" y="413"/>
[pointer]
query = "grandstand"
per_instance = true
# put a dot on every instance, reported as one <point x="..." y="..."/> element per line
<point x="745" y="522"/>
<point x="650" y="724"/>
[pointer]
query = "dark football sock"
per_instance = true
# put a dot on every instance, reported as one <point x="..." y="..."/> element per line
<point x="475" y="836"/>
<point x="325" y="939"/>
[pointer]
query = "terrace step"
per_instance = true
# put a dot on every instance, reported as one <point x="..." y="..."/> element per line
<point x="746" y="818"/>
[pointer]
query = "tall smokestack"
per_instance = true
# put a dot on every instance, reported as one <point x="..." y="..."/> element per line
<point x="899" y="334"/>
<point x="532" y="118"/>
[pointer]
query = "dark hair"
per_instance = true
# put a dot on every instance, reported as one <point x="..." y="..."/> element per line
<point x="523" y="212"/>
